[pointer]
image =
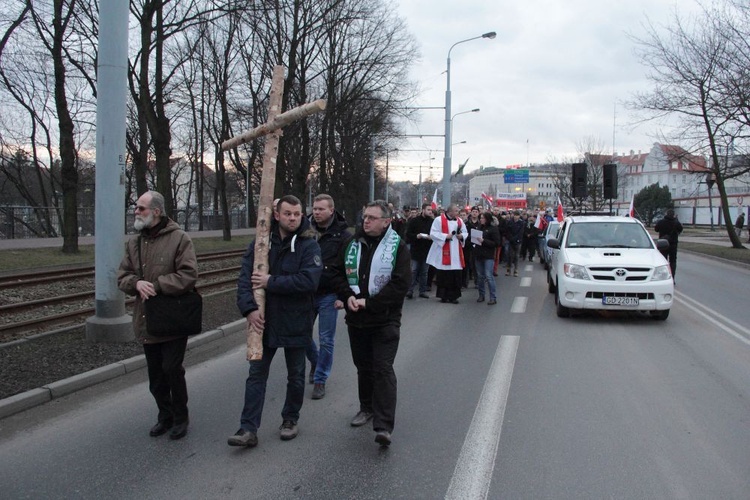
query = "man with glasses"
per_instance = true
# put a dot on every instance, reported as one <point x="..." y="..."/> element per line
<point x="372" y="276"/>
<point x="164" y="263"/>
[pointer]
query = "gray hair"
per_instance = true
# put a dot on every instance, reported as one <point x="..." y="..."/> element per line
<point x="383" y="206"/>
<point x="157" y="201"/>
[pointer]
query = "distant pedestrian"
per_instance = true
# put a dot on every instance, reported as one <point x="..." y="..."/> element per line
<point x="446" y="254"/>
<point x="484" y="255"/>
<point x="514" y="235"/>
<point x="418" y="239"/>
<point x="160" y="260"/>
<point x="669" y="228"/>
<point x="739" y="224"/>
<point x="372" y="276"/>
<point x="294" y="269"/>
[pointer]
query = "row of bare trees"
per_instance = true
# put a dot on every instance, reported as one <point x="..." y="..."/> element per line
<point x="699" y="67"/>
<point x="199" y="73"/>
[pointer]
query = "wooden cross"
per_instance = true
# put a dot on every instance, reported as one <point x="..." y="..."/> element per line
<point x="272" y="128"/>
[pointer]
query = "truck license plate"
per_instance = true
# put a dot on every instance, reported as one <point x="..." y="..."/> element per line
<point x="619" y="301"/>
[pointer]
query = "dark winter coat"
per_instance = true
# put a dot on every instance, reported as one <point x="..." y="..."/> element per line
<point x="167" y="260"/>
<point x="419" y="248"/>
<point x="490" y="241"/>
<point x="469" y="248"/>
<point x="384" y="308"/>
<point x="330" y="239"/>
<point x="295" y="267"/>
<point x="669" y="228"/>
<point x="514" y="231"/>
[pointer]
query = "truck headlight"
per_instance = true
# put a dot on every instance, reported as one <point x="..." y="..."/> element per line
<point x="661" y="273"/>
<point x="575" y="271"/>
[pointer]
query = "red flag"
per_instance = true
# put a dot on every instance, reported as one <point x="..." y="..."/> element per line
<point x="631" y="210"/>
<point x="541" y="222"/>
<point x="560" y="212"/>
<point x="434" y="200"/>
<point x="489" y="200"/>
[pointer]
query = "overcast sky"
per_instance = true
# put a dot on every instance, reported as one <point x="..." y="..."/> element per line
<point x="552" y="76"/>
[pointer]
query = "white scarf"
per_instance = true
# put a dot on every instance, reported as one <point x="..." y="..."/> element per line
<point x="381" y="268"/>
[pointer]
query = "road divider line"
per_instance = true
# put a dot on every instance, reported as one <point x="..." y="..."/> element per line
<point x="476" y="462"/>
<point x="519" y="305"/>
<point x="526" y="281"/>
<point x="734" y="329"/>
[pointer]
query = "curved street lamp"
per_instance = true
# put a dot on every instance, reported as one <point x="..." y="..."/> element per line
<point x="447" y="150"/>
<point x="475" y="110"/>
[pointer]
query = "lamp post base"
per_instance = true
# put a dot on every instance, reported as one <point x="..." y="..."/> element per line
<point x="110" y="330"/>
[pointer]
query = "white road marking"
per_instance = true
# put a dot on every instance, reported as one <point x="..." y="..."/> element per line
<point x="734" y="329"/>
<point x="473" y="473"/>
<point x="519" y="305"/>
<point x="526" y="281"/>
<point x="529" y="267"/>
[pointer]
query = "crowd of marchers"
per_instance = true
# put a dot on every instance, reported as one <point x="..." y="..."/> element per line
<point x="317" y="266"/>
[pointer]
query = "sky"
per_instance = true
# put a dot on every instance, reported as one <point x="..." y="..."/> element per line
<point x="557" y="74"/>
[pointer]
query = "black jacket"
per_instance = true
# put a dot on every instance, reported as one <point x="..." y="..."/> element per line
<point x="469" y="248"/>
<point x="330" y="239"/>
<point x="490" y="241"/>
<point x="295" y="267"/>
<point x="419" y="247"/>
<point x="669" y="228"/>
<point x="385" y="307"/>
<point x="514" y="231"/>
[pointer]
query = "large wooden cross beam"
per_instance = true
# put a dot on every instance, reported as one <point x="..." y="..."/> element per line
<point x="272" y="128"/>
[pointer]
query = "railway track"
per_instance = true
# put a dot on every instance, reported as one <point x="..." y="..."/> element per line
<point x="31" y="317"/>
<point x="29" y="278"/>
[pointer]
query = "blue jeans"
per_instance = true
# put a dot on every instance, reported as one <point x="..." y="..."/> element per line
<point x="484" y="274"/>
<point x="322" y="358"/>
<point x="255" y="387"/>
<point x="418" y="275"/>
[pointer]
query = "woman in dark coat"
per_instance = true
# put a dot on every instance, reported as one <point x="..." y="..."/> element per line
<point x="484" y="256"/>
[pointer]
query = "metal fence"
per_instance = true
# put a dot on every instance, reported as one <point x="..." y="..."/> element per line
<point x="45" y="222"/>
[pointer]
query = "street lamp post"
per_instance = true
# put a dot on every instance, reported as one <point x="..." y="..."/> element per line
<point x="475" y="110"/>
<point x="447" y="149"/>
<point x="419" y="186"/>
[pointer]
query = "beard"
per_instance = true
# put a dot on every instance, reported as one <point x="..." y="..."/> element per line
<point x="141" y="223"/>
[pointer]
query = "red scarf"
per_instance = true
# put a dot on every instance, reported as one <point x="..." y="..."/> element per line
<point x="447" y="244"/>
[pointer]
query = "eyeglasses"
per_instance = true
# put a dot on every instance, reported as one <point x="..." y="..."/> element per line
<point x="140" y="208"/>
<point x="372" y="217"/>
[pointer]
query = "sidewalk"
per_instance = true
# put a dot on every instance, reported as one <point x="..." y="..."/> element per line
<point x="17" y="244"/>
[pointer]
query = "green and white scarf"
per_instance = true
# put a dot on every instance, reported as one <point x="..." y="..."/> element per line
<point x="383" y="262"/>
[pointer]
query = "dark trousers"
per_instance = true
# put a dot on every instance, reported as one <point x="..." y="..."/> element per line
<point x="255" y="387"/>
<point x="373" y="352"/>
<point x="671" y="256"/>
<point x="469" y="272"/>
<point x="166" y="378"/>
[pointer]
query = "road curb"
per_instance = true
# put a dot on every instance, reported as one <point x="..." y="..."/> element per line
<point x="35" y="397"/>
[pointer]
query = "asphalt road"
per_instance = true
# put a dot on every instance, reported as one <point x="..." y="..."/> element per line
<point x="503" y="401"/>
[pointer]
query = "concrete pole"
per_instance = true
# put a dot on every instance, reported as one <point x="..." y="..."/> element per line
<point x="372" y="169"/>
<point x="111" y="323"/>
<point x="447" y="148"/>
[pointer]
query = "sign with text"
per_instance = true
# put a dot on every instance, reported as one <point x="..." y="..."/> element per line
<point x="516" y="176"/>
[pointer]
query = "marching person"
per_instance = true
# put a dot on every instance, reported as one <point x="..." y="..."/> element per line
<point x="332" y="234"/>
<point x="513" y="234"/>
<point x="484" y="254"/>
<point x="448" y="235"/>
<point x="294" y="269"/>
<point x="167" y="265"/>
<point x="372" y="277"/>
<point x="418" y="239"/>
<point x="670" y="228"/>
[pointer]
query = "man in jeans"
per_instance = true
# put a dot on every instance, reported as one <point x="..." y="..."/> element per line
<point x="418" y="238"/>
<point x="332" y="233"/>
<point x="294" y="269"/>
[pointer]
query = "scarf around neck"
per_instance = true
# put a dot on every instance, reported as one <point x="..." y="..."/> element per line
<point x="381" y="267"/>
<point x="447" y="244"/>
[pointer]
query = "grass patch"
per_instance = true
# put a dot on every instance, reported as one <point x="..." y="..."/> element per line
<point x="27" y="259"/>
<point x="723" y="252"/>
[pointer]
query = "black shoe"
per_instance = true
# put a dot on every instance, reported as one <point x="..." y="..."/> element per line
<point x="311" y="378"/>
<point x="491" y="302"/>
<point x="319" y="391"/>
<point x="179" y="431"/>
<point x="243" y="438"/>
<point x="409" y="295"/>
<point x="454" y="301"/>
<point x="424" y="296"/>
<point x="361" y="419"/>
<point x="480" y="299"/>
<point x="383" y="438"/>
<point x="444" y="301"/>
<point x="160" y="428"/>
